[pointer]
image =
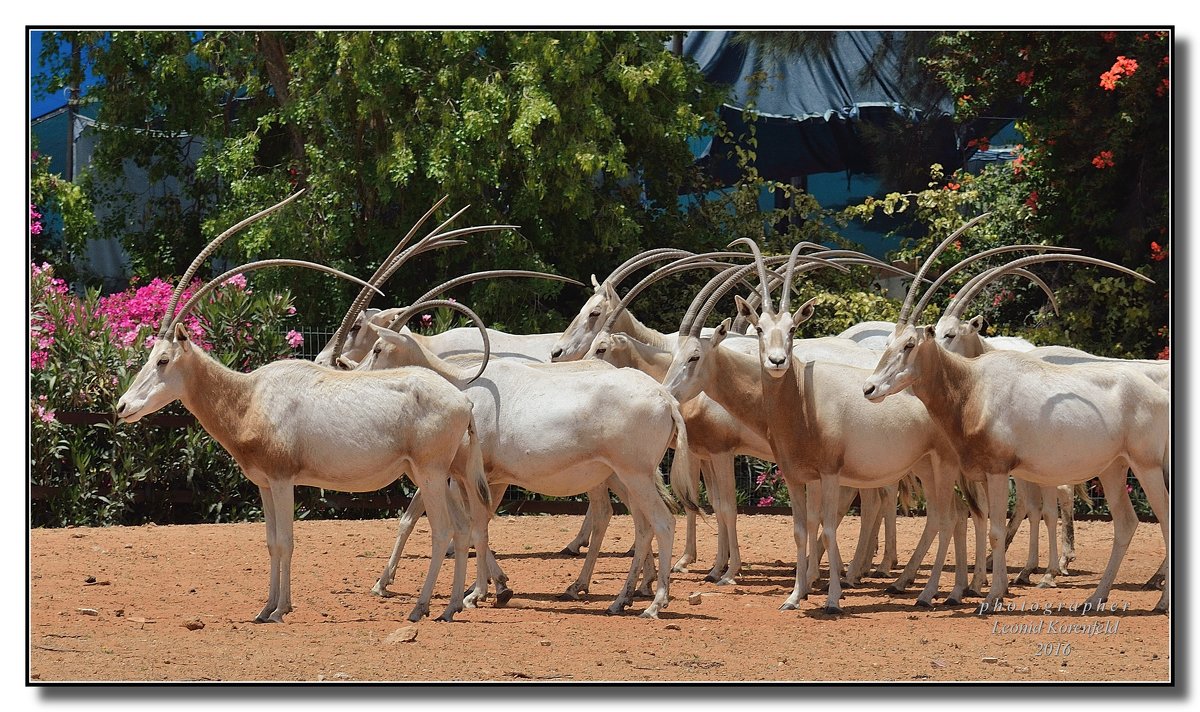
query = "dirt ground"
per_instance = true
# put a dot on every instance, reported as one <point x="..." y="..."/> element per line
<point x="149" y="583"/>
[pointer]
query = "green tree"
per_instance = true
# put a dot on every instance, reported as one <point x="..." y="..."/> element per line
<point x="1095" y="168"/>
<point x="578" y="137"/>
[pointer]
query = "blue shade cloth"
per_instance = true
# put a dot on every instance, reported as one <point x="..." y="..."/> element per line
<point x="809" y="112"/>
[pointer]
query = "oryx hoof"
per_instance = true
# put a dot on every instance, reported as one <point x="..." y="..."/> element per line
<point x="569" y="551"/>
<point x="726" y="581"/>
<point x="789" y="606"/>
<point x="833" y="609"/>
<point x="952" y="601"/>
<point x="972" y="593"/>
<point x="419" y="611"/>
<point x="649" y="613"/>
<point x="894" y="588"/>
<point x="709" y="578"/>
<point x="503" y="596"/>
<point x="382" y="591"/>
<point x="1157" y="581"/>
<point x="922" y="603"/>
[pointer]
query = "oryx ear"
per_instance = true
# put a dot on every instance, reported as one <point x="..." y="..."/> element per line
<point x="387" y="316"/>
<point x="805" y="312"/>
<point x="745" y="310"/>
<point x="386" y="334"/>
<point x="976" y="323"/>
<point x="345" y="364"/>
<point x="611" y="294"/>
<point x="720" y="332"/>
<point x="595" y="283"/>
<point x="927" y="332"/>
<point x="182" y="337"/>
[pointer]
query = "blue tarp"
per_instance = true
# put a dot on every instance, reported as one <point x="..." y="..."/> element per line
<point x="809" y="111"/>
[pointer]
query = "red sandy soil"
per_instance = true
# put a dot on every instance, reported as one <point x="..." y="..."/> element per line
<point x="150" y="582"/>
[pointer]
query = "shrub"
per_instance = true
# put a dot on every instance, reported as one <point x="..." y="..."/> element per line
<point x="84" y="352"/>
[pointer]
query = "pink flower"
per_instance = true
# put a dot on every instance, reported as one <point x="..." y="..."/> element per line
<point x="1128" y="489"/>
<point x="426" y="320"/>
<point x="294" y="338"/>
<point x="291" y="310"/>
<point x="237" y="280"/>
<point x="46" y="416"/>
<point x="37" y="360"/>
<point x="766" y="501"/>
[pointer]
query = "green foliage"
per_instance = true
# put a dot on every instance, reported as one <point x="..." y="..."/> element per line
<point x="51" y="194"/>
<point x="578" y="137"/>
<point x="125" y="474"/>
<point x="1095" y="164"/>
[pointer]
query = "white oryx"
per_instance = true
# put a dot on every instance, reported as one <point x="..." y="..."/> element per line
<point x="1050" y="424"/>
<point x="715" y="435"/>
<point x="565" y="429"/>
<point x="814" y="429"/>
<point x="294" y="423"/>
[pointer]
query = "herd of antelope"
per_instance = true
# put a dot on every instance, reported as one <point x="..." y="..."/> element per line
<point x="468" y="412"/>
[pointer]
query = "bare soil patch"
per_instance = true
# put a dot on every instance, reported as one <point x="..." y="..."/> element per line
<point x="149" y="588"/>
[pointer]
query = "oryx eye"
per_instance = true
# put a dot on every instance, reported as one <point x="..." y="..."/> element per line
<point x="594" y="314"/>
<point x="377" y="350"/>
<point x="949" y="337"/>
<point x="600" y="350"/>
<point x="908" y="346"/>
<point x="694" y="358"/>
<point x="355" y="328"/>
<point x="163" y="361"/>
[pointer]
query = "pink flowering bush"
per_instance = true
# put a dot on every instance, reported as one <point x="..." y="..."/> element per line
<point x="83" y="353"/>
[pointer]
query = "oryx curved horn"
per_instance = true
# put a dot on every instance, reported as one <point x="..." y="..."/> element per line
<point x="906" y="309"/>
<point x="409" y="311"/>
<point x="492" y="274"/>
<point x="976" y="283"/>
<point x="217" y="281"/>
<point x="210" y="248"/>
<point x="943" y="277"/>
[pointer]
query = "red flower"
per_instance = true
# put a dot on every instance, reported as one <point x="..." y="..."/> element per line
<point x="1163" y="87"/>
<point x="1109" y="37"/>
<point x="1165" y="354"/>
<point x="1019" y="165"/>
<point x="1124" y="66"/>
<point x="952" y="186"/>
<point x="1025" y="78"/>
<point x="1157" y="253"/>
<point x="982" y="143"/>
<point x="1032" y="201"/>
<point x="1104" y="159"/>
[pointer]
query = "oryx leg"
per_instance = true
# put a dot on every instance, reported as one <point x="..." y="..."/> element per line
<point x="940" y="504"/>
<point x="829" y="493"/>
<point x="980" y="521"/>
<point x="646" y="503"/>
<point x="1050" y="517"/>
<point x="598" y="496"/>
<point x="1066" y="510"/>
<point x="1154" y="484"/>
<point x="871" y="515"/>
<point x="689" y="546"/>
<point x="1031" y="494"/>
<point x="408" y="521"/>
<point x="441" y="531"/>
<point x="890" y="555"/>
<point x="278" y="511"/>
<point x="997" y="490"/>
<point x="723" y="498"/>
<point x="797" y="493"/>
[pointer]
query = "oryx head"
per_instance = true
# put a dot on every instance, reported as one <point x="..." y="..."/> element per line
<point x="162" y="378"/>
